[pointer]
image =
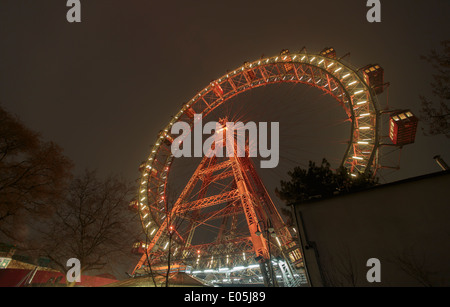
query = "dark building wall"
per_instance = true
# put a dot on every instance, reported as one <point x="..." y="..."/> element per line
<point x="406" y="225"/>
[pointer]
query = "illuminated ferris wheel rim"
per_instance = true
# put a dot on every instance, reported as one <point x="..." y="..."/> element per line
<point x="331" y="75"/>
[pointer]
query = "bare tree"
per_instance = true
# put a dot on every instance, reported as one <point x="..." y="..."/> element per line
<point x="33" y="176"/>
<point x="435" y="112"/>
<point x="149" y="268"/>
<point x="414" y="265"/>
<point x="166" y="258"/>
<point x="341" y="271"/>
<point x="92" y="224"/>
<point x="175" y="224"/>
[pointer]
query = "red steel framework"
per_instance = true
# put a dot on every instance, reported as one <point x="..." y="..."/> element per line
<point x="355" y="90"/>
<point x="241" y="193"/>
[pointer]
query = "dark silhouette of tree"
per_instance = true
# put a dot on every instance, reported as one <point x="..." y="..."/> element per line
<point x="175" y="222"/>
<point x="33" y="175"/>
<point x="435" y="112"/>
<point x="416" y="265"/>
<point x="92" y="224"/>
<point x="320" y="181"/>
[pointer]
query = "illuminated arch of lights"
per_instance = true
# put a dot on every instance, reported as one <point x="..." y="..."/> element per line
<point x="347" y="85"/>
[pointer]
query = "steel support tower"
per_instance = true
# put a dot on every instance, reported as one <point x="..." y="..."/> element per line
<point x="226" y="194"/>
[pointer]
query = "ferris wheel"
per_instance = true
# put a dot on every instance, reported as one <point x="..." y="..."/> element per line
<point x="354" y="89"/>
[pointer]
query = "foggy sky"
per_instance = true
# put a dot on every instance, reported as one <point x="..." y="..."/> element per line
<point x="103" y="88"/>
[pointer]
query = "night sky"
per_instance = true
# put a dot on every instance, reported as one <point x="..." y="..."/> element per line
<point x="103" y="88"/>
